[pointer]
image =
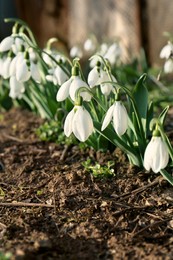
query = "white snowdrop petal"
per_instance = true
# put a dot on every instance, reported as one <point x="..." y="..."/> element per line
<point x="166" y="51"/>
<point x="82" y="125"/>
<point x="108" y="117"/>
<point x="106" y="89"/>
<point x="76" y="51"/>
<point x="16" y="88"/>
<point x="6" y="44"/>
<point x="6" y="68"/>
<point x="63" y="91"/>
<point x="168" y="66"/>
<point x="89" y="45"/>
<point x="76" y="84"/>
<point x="12" y="69"/>
<point x="120" y="118"/>
<point x="157" y="160"/>
<point x="93" y="77"/>
<point x="35" y="72"/>
<point x="22" y="72"/>
<point x="60" y="75"/>
<point x="68" y="123"/>
<point x="148" y="155"/>
<point x="163" y="155"/>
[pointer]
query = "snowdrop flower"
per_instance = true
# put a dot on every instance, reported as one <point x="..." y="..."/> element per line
<point x="106" y="88"/>
<point x="97" y="76"/>
<point x="89" y="45"/>
<point x="16" y="88"/>
<point x="76" y="51"/>
<point x="26" y="69"/>
<point x="113" y="53"/>
<point x="57" y="76"/>
<point x="79" y="122"/>
<point x="103" y="49"/>
<point x="166" y="51"/>
<point x="18" y="45"/>
<point x="6" y="43"/>
<point x="60" y="75"/>
<point x="156" y="155"/>
<point x="168" y="66"/>
<point x="118" y="113"/>
<point x="94" y="76"/>
<point x="70" y="87"/>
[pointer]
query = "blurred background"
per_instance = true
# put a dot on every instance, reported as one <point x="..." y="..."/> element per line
<point x="135" y="23"/>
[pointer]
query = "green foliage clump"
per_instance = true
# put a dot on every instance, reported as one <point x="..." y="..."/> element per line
<point x="52" y="131"/>
<point x="99" y="171"/>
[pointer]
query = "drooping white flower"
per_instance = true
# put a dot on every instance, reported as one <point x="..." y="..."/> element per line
<point x="16" y="88"/>
<point x="76" y="84"/>
<point x="106" y="88"/>
<point x="94" y="77"/>
<point x="90" y="45"/>
<point x="79" y="122"/>
<point x="26" y="69"/>
<point x="118" y="114"/>
<point x="97" y="76"/>
<point x="168" y="66"/>
<point x="70" y="87"/>
<point x="6" y="43"/>
<point x="60" y="75"/>
<point x="156" y="155"/>
<point x="166" y="51"/>
<point x="113" y="53"/>
<point x="76" y="51"/>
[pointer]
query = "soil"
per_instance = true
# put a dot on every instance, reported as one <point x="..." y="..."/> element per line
<point x="52" y="208"/>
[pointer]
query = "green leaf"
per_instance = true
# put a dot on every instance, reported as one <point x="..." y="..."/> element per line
<point x="117" y="141"/>
<point x="167" y="176"/>
<point x="140" y="94"/>
<point x="150" y="113"/>
<point x="163" y="114"/>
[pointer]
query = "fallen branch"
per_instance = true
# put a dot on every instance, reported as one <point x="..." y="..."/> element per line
<point x="157" y="223"/>
<point x="25" y="204"/>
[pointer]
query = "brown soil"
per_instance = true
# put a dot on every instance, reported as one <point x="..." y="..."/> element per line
<point x="51" y="208"/>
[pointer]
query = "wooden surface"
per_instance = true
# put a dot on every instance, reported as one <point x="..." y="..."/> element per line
<point x="135" y="23"/>
<point x="107" y="19"/>
<point x="160" y="19"/>
<point x="47" y="18"/>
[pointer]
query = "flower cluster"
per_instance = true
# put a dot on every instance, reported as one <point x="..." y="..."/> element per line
<point x="19" y="63"/>
<point x="167" y="54"/>
<point x="97" y="108"/>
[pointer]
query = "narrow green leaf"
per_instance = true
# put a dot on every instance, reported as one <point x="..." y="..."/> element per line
<point x="117" y="141"/>
<point x="167" y="176"/>
<point x="163" y="114"/>
<point x="140" y="94"/>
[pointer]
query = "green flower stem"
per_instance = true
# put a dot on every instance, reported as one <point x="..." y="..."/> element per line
<point x="76" y="63"/>
<point x="106" y="66"/>
<point x="59" y="64"/>
<point x="22" y="23"/>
